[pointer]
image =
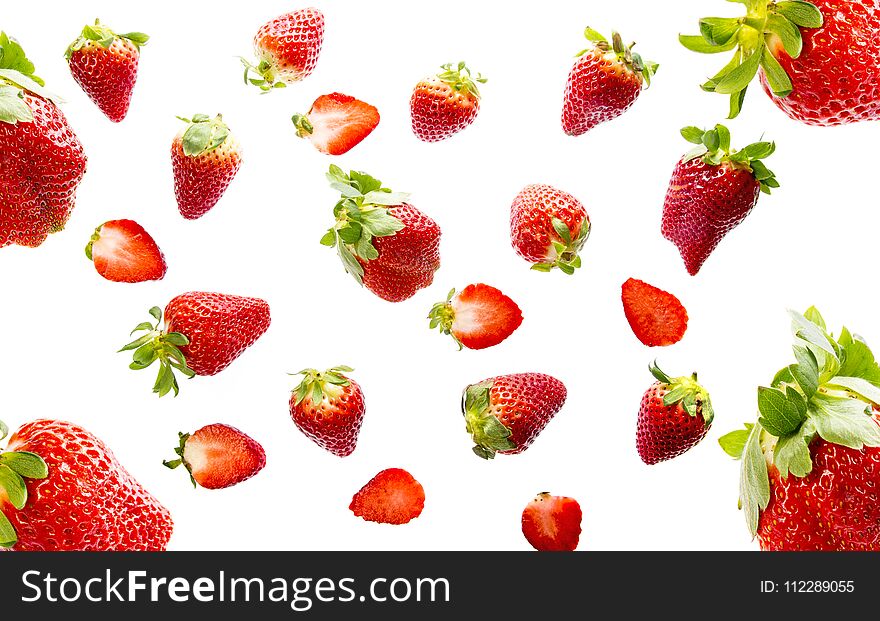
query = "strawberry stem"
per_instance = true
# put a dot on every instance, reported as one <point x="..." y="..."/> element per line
<point x="442" y="316"/>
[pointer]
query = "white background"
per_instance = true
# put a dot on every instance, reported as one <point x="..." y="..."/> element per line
<point x="812" y="242"/>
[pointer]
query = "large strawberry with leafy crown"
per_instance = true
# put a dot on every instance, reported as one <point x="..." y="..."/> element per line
<point x="819" y="61"/>
<point x="446" y="103"/>
<point x="712" y="190"/>
<point x="105" y="65"/>
<point x="41" y="159"/>
<point x="328" y="407"/>
<point x="386" y="244"/>
<point x="62" y="489"/>
<point x="287" y="49"/>
<point x="810" y="474"/>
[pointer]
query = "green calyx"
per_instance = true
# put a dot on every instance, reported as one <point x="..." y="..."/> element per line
<point x="461" y="79"/>
<point x="830" y="392"/>
<point x="203" y="134"/>
<point x="15" y="467"/>
<point x="685" y="391"/>
<point x="566" y="248"/>
<point x="754" y="39"/>
<point x="442" y="316"/>
<point x="488" y="433"/>
<point x="95" y="237"/>
<point x="16" y="77"/>
<point x="315" y="384"/>
<point x="159" y="344"/>
<point x="713" y="147"/>
<point x="174" y="463"/>
<point x="303" y="127"/>
<point x="261" y="75"/>
<point x="645" y="69"/>
<point x="104" y="37"/>
<point x="361" y="215"/>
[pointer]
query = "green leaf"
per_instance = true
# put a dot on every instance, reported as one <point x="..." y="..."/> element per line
<point x="781" y="412"/>
<point x="365" y="249"/>
<point x="196" y="138"/>
<point x="13" y="485"/>
<point x="740" y="76"/>
<point x="385" y="199"/>
<point x="351" y="264"/>
<point x="790" y="35"/>
<point x="561" y="229"/>
<point x="27" y="464"/>
<point x="4" y="430"/>
<point x="804" y="14"/>
<point x="844" y="421"/>
<point x="365" y="182"/>
<point x="792" y="452"/>
<point x="754" y="482"/>
<point x="594" y="36"/>
<point x="811" y="333"/>
<point x="777" y="79"/>
<point x="858" y="361"/>
<point x="156" y="313"/>
<point x="381" y="223"/>
<point x="176" y="338"/>
<point x="734" y="443"/>
<point x="719" y="30"/>
<point x="736" y="103"/>
<point x="329" y="238"/>
<point x="784" y="376"/>
<point x="702" y="46"/>
<point x="859" y="386"/>
<point x="13" y="107"/>
<point x="806" y="371"/>
<point x="8" y="538"/>
<point x="813" y="315"/>
<point x="692" y="134"/>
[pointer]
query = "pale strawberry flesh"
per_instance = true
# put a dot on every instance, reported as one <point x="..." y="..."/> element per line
<point x="340" y="122"/>
<point x="220" y="456"/>
<point x="484" y="316"/>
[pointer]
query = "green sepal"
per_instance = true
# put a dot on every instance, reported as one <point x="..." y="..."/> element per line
<point x="15" y="467"/>
<point x="461" y="79"/>
<point x="103" y="36"/>
<point x="442" y="316"/>
<point x="203" y="134"/>
<point x="157" y="344"/>
<point x="713" y="148"/>
<point x="316" y="384"/>
<point x="734" y="443"/>
<point x="687" y="391"/>
<point x="179" y="449"/>
<point x="264" y="76"/>
<point x="565" y="247"/>
<point x="16" y="77"/>
<point x="489" y="434"/>
<point x="644" y="69"/>
<point x="303" y="126"/>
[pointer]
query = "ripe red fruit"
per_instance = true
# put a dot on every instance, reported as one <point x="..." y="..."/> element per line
<point x="505" y="414"/>
<point x="386" y="244"/>
<point x="336" y="123"/>
<point x="391" y="497"/>
<point x="478" y="317"/>
<point x="328" y="408"/>
<point x="674" y="416"/>
<point x="656" y="316"/>
<point x="811" y="463"/>
<point x="552" y="523"/>
<point x="105" y="65"/>
<point x="445" y="104"/>
<point x="604" y="82"/>
<point x="218" y="456"/>
<point x="287" y="49"/>
<point x="712" y="190"/>
<point x="41" y="159"/>
<point x="819" y="61"/>
<point x="62" y="489"/>
<point x="203" y="334"/>
<point x="548" y="228"/>
<point x="205" y="157"/>
<point x="123" y="251"/>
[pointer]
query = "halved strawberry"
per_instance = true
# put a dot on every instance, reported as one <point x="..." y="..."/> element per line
<point x="478" y="317"/>
<point x="656" y="316"/>
<point x="218" y="456"/>
<point x="391" y="497"/>
<point x="336" y="123"/>
<point x="123" y="251"/>
<point x="552" y="523"/>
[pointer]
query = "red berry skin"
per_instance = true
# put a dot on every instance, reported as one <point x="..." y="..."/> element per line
<point x="599" y="88"/>
<point x="89" y="502"/>
<point x="525" y="403"/>
<point x="123" y="251"/>
<point x="291" y="44"/>
<point x="703" y="204"/>
<point x="201" y="180"/>
<point x="665" y="432"/>
<point x="219" y="327"/>
<point x="552" y="523"/>
<point x="335" y="423"/>
<point x="222" y="456"/>
<point x="531" y="230"/>
<point x="42" y="164"/>
<point x="836" y="79"/>
<point x="438" y="111"/>
<point x="391" y="497"/>
<point x="107" y="75"/>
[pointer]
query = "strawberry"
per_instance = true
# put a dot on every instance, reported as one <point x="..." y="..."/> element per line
<point x="41" y="159"/>
<point x="811" y="462"/>
<point x="202" y="335"/>
<point x="336" y="123"/>
<point x="205" y="157"/>
<point x="674" y="416"/>
<point x="386" y="244"/>
<point x="287" y="49"/>
<point x="819" y="61"/>
<point x="604" y="82"/>
<point x="478" y="317"/>
<point x="445" y="104"/>
<point x="712" y="190"/>
<point x="391" y="497"/>
<point x="123" y="251"/>
<point x="548" y="228"/>
<point x="105" y="65"/>
<point x="656" y="316"/>
<point x="62" y="489"/>
<point x="552" y="523"/>
<point x="505" y="414"/>
<point x="328" y="408"/>
<point x="218" y="456"/>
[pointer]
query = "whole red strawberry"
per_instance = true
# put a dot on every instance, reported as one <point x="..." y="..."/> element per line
<point x="105" y="65"/>
<point x="391" y="497"/>
<point x="386" y="244"/>
<point x="328" y="408"/>
<point x="674" y="416"/>
<point x="477" y="317"/>
<point x="336" y="123"/>
<point x="287" y="49"/>
<point x="62" y="489"/>
<point x="712" y="190"/>
<point x="819" y="61"/>
<point x="41" y="160"/>
<point x="811" y="462"/>
<point x="548" y="228"/>
<point x="604" y="82"/>
<point x="656" y="316"/>
<point x="122" y="251"/>
<point x="218" y="456"/>
<point x="505" y="414"/>
<point x="205" y="157"/>
<point x="445" y="104"/>
<point x="552" y="523"/>
<point x="202" y="335"/>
